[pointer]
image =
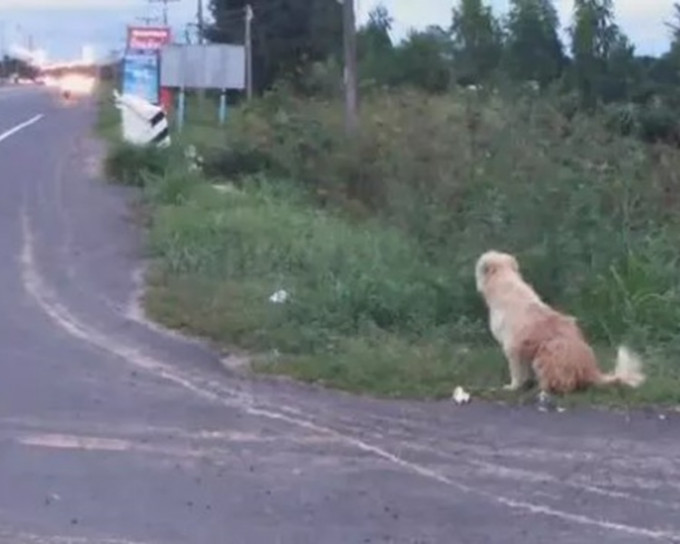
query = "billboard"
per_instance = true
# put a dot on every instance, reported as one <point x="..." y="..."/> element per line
<point x="141" y="64"/>
<point x="140" y="76"/>
<point x="213" y="66"/>
<point x="147" y="38"/>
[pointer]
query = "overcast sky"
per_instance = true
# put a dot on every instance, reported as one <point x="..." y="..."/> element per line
<point x="63" y="26"/>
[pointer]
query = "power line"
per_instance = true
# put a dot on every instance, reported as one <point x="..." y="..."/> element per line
<point x="165" y="8"/>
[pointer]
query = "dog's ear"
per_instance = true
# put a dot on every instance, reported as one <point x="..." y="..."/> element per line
<point x="514" y="263"/>
<point x="489" y="269"/>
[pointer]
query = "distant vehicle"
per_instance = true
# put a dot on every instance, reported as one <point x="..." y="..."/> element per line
<point x="74" y="85"/>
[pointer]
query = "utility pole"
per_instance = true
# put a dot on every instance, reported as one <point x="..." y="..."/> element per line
<point x="249" y="52"/>
<point x="201" y="21"/>
<point x="165" y="8"/>
<point x="3" y="52"/>
<point x="351" y="79"/>
<point x="200" y="28"/>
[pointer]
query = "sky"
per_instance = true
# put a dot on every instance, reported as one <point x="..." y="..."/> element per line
<point x="62" y="27"/>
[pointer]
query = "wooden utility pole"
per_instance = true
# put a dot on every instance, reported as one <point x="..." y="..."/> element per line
<point x="249" y="52"/>
<point x="351" y="78"/>
<point x="165" y="8"/>
<point x="201" y="22"/>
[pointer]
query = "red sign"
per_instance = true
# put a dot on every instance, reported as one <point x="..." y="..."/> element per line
<point x="149" y="38"/>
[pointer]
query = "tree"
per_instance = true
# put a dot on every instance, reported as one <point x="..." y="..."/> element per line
<point x="374" y="47"/>
<point x="423" y="60"/>
<point x="594" y="35"/>
<point x="675" y="27"/>
<point x="288" y="35"/>
<point x="375" y="35"/>
<point x="533" y="50"/>
<point x="623" y="72"/>
<point x="669" y="65"/>
<point x="14" y="66"/>
<point x="477" y="41"/>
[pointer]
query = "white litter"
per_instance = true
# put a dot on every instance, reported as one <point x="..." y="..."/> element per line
<point x="225" y="188"/>
<point x="194" y="160"/>
<point x="460" y="396"/>
<point x="279" y="297"/>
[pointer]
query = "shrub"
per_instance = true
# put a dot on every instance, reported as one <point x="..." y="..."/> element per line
<point x="659" y="124"/>
<point x="128" y="164"/>
<point x="461" y="173"/>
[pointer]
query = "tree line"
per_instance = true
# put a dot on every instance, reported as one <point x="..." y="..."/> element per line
<point x="12" y="66"/>
<point x="598" y="64"/>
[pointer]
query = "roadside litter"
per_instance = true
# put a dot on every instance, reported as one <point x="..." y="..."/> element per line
<point x="460" y="396"/>
<point x="279" y="297"/>
<point x="194" y="160"/>
<point x="546" y="403"/>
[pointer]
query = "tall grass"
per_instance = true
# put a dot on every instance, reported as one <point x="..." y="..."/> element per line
<point x="591" y="215"/>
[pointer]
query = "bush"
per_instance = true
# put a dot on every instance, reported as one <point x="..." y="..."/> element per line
<point x="659" y="124"/>
<point x="465" y="172"/>
<point x="128" y="164"/>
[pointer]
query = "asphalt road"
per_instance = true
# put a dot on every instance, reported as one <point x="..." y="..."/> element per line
<point x="113" y="431"/>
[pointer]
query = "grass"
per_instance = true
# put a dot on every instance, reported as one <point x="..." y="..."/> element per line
<point x="108" y="120"/>
<point x="374" y="239"/>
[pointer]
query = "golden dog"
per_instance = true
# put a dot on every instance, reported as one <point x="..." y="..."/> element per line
<point x="536" y="337"/>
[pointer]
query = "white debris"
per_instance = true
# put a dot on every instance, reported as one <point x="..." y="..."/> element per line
<point x="225" y="188"/>
<point x="194" y="160"/>
<point x="460" y="396"/>
<point x="279" y="297"/>
<point x="544" y="397"/>
<point x="547" y="403"/>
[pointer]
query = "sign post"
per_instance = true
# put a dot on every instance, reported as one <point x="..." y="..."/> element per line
<point x="142" y="64"/>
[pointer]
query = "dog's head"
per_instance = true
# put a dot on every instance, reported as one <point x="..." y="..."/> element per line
<point x="491" y="264"/>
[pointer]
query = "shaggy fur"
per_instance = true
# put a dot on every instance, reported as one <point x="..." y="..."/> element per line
<point x="536" y="337"/>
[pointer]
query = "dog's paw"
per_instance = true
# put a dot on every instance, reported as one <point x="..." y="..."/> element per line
<point x="511" y="387"/>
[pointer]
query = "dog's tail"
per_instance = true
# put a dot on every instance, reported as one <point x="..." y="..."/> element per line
<point x="628" y="370"/>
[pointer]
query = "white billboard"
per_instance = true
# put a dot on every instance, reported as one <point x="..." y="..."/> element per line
<point x="212" y="66"/>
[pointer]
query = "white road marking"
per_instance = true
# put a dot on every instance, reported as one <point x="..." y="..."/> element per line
<point x="98" y="443"/>
<point x="30" y="538"/>
<point x="38" y="289"/>
<point x="20" y="127"/>
<point x="67" y="442"/>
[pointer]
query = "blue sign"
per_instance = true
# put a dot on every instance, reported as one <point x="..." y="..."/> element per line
<point x="140" y="75"/>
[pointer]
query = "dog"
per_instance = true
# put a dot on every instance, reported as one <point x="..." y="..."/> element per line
<point x="536" y="337"/>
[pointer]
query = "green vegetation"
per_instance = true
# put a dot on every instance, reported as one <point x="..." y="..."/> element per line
<point x="374" y="239"/>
